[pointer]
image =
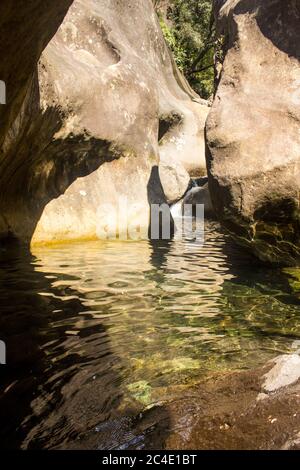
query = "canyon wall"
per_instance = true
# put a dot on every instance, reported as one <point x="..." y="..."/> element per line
<point x="101" y="120"/>
<point x="253" y="130"/>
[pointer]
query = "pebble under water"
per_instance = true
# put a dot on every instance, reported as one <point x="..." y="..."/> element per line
<point x="99" y="332"/>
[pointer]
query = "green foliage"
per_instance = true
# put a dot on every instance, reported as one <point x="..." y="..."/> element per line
<point x="189" y="31"/>
<point x="178" y="51"/>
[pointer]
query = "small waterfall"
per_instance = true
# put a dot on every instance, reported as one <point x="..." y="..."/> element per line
<point x="176" y="210"/>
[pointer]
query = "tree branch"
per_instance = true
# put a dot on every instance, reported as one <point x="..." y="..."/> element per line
<point x="201" y="55"/>
<point x="193" y="72"/>
<point x="208" y="43"/>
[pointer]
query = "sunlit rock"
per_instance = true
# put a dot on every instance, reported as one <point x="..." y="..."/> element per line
<point x="92" y="121"/>
<point x="286" y="371"/>
<point x="253" y="128"/>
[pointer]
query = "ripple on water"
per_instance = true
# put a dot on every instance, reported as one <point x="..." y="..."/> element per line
<point x="97" y="332"/>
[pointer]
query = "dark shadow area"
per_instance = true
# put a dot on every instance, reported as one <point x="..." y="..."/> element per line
<point x="166" y="123"/>
<point x="46" y="384"/>
<point x="156" y="196"/>
<point x="250" y="271"/>
<point x="277" y="211"/>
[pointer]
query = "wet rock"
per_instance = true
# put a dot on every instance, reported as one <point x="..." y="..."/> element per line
<point x="253" y="128"/>
<point x="220" y="413"/>
<point x="90" y="122"/>
<point x="293" y="443"/>
<point x="200" y="181"/>
<point x="223" y="413"/>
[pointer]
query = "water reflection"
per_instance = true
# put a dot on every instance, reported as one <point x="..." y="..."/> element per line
<point x="98" y="332"/>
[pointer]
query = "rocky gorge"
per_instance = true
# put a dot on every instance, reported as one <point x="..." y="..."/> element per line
<point x="100" y="92"/>
<point x="147" y="343"/>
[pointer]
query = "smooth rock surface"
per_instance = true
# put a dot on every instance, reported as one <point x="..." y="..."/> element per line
<point x="252" y="130"/>
<point x="188" y="133"/>
<point x="93" y="118"/>
<point x="174" y="179"/>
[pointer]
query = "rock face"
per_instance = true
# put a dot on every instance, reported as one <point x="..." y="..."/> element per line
<point x="25" y="30"/>
<point x="85" y="136"/>
<point x="253" y="137"/>
<point x="174" y="178"/>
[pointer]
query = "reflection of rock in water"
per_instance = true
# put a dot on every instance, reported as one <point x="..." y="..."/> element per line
<point x="199" y="270"/>
<point x="50" y="369"/>
<point x="111" y="328"/>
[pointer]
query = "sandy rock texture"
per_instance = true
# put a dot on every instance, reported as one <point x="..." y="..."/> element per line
<point x="253" y="128"/>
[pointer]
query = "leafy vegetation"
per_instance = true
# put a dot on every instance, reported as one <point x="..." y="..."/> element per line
<point x="188" y="26"/>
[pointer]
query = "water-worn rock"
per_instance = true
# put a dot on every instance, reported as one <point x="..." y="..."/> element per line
<point x="25" y="30"/>
<point x="174" y="178"/>
<point x="223" y="413"/>
<point x="82" y="133"/>
<point x="253" y="127"/>
<point x="184" y="134"/>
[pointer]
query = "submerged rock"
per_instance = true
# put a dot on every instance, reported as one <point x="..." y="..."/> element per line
<point x="85" y="133"/>
<point x="223" y="413"/>
<point x="226" y="411"/>
<point x="253" y="128"/>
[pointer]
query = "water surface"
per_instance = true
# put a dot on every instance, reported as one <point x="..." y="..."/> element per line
<point x="99" y="332"/>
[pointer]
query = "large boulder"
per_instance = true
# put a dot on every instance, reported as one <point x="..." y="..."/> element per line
<point x="84" y="140"/>
<point x="253" y="136"/>
<point x="25" y="30"/>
